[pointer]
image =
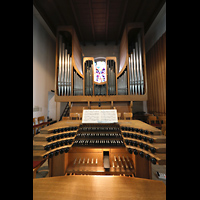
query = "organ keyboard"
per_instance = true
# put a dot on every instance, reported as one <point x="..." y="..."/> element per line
<point x="127" y="147"/>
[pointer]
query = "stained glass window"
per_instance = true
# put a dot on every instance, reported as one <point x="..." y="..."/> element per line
<point x="100" y="71"/>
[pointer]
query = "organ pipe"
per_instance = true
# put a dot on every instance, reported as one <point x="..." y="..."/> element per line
<point x="64" y="69"/>
<point x="140" y="63"/>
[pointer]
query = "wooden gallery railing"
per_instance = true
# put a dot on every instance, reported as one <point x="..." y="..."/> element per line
<point x="82" y="79"/>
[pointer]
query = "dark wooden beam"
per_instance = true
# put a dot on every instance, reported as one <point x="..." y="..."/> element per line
<point x="92" y="21"/>
<point x="122" y="20"/>
<point x="59" y="13"/>
<point x="107" y="18"/>
<point x="135" y="17"/>
<point x="77" y="22"/>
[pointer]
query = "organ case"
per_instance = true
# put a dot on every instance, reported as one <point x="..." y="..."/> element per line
<point x="74" y="74"/>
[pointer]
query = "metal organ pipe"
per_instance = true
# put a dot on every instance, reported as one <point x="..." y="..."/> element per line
<point x="136" y="76"/>
<point x="132" y="74"/>
<point x="59" y="63"/>
<point x="140" y="62"/>
<point x="91" y="78"/>
<point x="64" y="69"/>
<point x="65" y="74"/>
<point x="113" y="78"/>
<point x="109" y="77"/>
<point x="135" y="71"/>
<point x="70" y="69"/>
<point x="137" y="64"/>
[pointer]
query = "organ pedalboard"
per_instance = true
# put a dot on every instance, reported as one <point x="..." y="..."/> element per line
<point x="125" y="148"/>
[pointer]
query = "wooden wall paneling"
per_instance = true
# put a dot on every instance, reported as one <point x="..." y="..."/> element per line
<point x="164" y="69"/>
<point x="149" y="78"/>
<point x="158" y="80"/>
<point x="156" y="77"/>
<point x="164" y="76"/>
<point x="155" y="80"/>
<point x="123" y="51"/>
<point x="161" y="77"/>
<point x="77" y="54"/>
<point x="144" y="61"/>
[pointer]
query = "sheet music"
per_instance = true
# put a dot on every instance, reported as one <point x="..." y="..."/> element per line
<point x="100" y="116"/>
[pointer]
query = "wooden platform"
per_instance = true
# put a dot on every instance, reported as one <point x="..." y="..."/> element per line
<point x="98" y="187"/>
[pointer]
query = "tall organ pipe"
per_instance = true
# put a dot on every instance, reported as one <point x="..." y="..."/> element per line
<point x="68" y="73"/>
<point x="91" y="85"/>
<point x="59" y="63"/>
<point x="137" y="64"/>
<point x="70" y="69"/>
<point x="62" y="68"/>
<point x="130" y="74"/>
<point x="140" y="62"/>
<point x="114" y="78"/>
<point x="65" y="74"/>
<point x="135" y="71"/>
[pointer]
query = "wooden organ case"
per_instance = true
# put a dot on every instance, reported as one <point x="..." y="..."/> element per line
<point x="120" y="83"/>
<point x="128" y="147"/>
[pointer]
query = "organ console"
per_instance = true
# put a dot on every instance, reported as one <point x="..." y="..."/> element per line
<point x="127" y="147"/>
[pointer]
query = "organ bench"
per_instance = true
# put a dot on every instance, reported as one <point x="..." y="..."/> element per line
<point x="125" y="148"/>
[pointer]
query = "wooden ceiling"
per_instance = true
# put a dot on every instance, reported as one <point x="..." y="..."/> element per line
<point x="98" y="20"/>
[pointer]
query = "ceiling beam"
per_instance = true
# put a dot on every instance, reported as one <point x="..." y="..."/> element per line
<point x="122" y="20"/>
<point x="92" y="21"/>
<point x="58" y="12"/>
<point x="77" y="23"/>
<point x="139" y="9"/>
<point x="107" y="18"/>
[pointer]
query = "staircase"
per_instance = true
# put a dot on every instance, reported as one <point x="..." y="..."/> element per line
<point x="65" y="111"/>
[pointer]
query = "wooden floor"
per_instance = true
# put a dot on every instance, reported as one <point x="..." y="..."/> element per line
<point x="98" y="188"/>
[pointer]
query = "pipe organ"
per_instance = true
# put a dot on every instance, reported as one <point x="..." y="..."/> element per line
<point x="89" y="78"/>
<point x="127" y="147"/>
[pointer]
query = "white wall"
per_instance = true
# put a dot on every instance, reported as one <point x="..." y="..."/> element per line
<point x="44" y="47"/>
<point x="156" y="30"/>
<point x="101" y="50"/>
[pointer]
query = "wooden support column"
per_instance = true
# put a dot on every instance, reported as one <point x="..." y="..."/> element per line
<point x="142" y="167"/>
<point x="58" y="165"/>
